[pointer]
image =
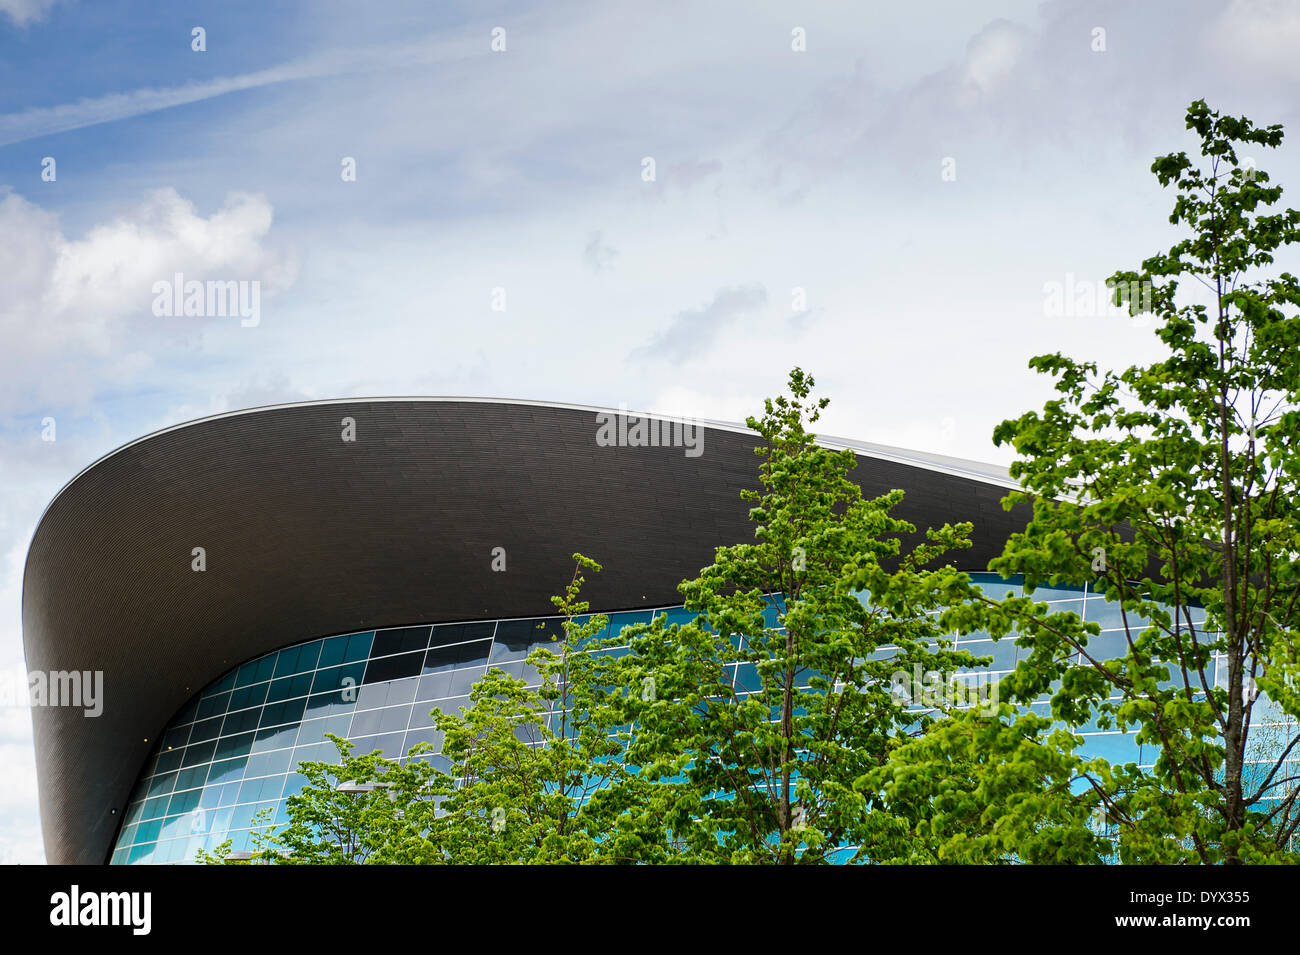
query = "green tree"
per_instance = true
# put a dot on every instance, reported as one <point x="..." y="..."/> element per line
<point x="364" y="809"/>
<point x="537" y="774"/>
<point x="755" y="719"/>
<point x="1172" y="487"/>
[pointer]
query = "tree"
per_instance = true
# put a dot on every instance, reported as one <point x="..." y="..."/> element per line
<point x="755" y="719"/>
<point x="1172" y="487"/>
<point x="362" y="810"/>
<point x="537" y="773"/>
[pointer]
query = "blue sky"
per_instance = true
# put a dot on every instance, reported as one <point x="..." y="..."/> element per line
<point x="776" y="170"/>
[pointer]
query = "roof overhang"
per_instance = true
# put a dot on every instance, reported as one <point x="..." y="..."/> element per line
<point x="307" y="535"/>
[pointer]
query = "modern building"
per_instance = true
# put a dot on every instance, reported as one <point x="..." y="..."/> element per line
<point x="251" y="581"/>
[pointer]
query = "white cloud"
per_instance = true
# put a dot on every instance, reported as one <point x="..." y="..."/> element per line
<point x="69" y="303"/>
<point x="23" y="12"/>
<point x="993" y="53"/>
<point x="91" y="111"/>
<point x="1260" y="36"/>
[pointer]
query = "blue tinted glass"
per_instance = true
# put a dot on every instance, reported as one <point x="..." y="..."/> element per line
<point x="263" y="764"/>
<point x="169" y="760"/>
<point x="256" y="671"/>
<point x="358" y="647"/>
<point x="337" y="678"/>
<point x="275" y="737"/>
<point x="332" y="652"/>
<point x="1114" y="747"/>
<point x="270" y="725"/>
<point x="212" y="706"/>
<point x="226" y="770"/>
<point x="1110" y="615"/>
<point x="161" y="785"/>
<point x="242" y="721"/>
<point x="189" y="778"/>
<point x="206" y="730"/>
<point x="298" y="659"/>
<point x="198" y="754"/>
<point x="184" y="802"/>
<point x="248" y="696"/>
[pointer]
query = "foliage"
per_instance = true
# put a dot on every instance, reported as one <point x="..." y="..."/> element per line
<point x="755" y="719"/>
<point x="1172" y="488"/>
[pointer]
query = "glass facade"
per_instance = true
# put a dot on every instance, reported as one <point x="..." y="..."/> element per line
<point x="231" y="752"/>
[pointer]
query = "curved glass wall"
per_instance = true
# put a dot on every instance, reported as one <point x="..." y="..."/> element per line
<point x="232" y="750"/>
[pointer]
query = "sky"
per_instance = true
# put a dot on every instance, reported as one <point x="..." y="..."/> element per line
<point x="664" y="206"/>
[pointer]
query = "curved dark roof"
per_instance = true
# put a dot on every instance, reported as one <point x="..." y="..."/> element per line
<point x="306" y="536"/>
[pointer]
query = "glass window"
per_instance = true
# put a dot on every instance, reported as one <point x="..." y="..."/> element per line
<point x="617" y="621"/>
<point x="358" y="647"/>
<point x="394" y="718"/>
<point x="313" y="731"/>
<point x="336" y="678"/>
<point x="430" y="736"/>
<point x="213" y="706"/>
<point x="332" y="651"/>
<point x="1108" y="646"/>
<point x="224" y="771"/>
<point x="169" y="760"/>
<point x="248" y="696"/>
<point x="384" y="669"/>
<point x="390" y="745"/>
<point x="401" y="691"/>
<point x="1115" y="747"/>
<point x="199" y="754"/>
<point x="515" y="638"/>
<point x="325" y="752"/>
<point x="1110" y="615"/>
<point x="257" y="671"/>
<point x="399" y="640"/>
<point x="161" y="785"/>
<point x="1002" y="651"/>
<point x="206" y="730"/>
<point x="463" y="680"/>
<point x="242" y="721"/>
<point x="265" y="764"/>
<point x="298" y="659"/>
<point x="439" y="659"/>
<point x="289" y="711"/>
<point x="187" y="713"/>
<point x="288" y="687"/>
<point x="275" y="737"/>
<point x="189" y="778"/>
<point x="365" y="723"/>
<point x="183" y="802"/>
<point x="461" y="632"/>
<point x="421" y="717"/>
